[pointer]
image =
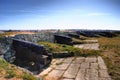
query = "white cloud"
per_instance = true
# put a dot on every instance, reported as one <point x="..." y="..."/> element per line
<point x="24" y="11"/>
<point x="98" y="14"/>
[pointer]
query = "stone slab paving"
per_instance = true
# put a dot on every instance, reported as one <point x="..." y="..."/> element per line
<point x="63" y="66"/>
<point x="45" y="72"/>
<point x="78" y="60"/>
<point x="80" y="75"/>
<point x="94" y="46"/>
<point x="76" y="68"/>
<point x="101" y="63"/>
<point x="67" y="79"/>
<point x="54" y="75"/>
<point x="91" y="74"/>
<point x="72" y="71"/>
<point x="91" y="41"/>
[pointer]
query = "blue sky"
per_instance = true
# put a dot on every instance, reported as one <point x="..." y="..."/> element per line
<point x="60" y="14"/>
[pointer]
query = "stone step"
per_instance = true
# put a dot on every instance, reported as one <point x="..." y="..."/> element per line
<point x="44" y="60"/>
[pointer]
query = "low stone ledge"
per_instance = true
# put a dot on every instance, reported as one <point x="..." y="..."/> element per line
<point x="62" y="54"/>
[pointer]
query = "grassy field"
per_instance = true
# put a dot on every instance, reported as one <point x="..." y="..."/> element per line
<point x="111" y="53"/>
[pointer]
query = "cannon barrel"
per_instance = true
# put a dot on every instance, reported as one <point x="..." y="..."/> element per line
<point x="63" y="39"/>
<point x="38" y="49"/>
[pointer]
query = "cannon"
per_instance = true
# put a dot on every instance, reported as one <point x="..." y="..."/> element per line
<point x="74" y="35"/>
<point x="63" y="39"/>
<point x="30" y="54"/>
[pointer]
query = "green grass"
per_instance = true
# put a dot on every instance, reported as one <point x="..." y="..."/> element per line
<point x="75" y="40"/>
<point x="10" y="74"/>
<point x="54" y="47"/>
<point x="3" y="64"/>
<point x="28" y="77"/>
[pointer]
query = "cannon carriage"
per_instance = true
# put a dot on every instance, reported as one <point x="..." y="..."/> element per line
<point x="30" y="55"/>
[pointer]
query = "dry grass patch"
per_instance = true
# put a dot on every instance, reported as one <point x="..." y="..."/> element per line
<point x="11" y="72"/>
<point x="15" y="33"/>
<point x="111" y="53"/>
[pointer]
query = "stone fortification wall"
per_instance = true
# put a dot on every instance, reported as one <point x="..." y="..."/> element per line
<point x="6" y="50"/>
<point x="36" y="37"/>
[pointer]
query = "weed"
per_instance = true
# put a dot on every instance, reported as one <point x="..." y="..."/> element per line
<point x="11" y="74"/>
<point x="11" y="71"/>
<point x="59" y="63"/>
<point x="3" y="64"/>
<point x="28" y="77"/>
